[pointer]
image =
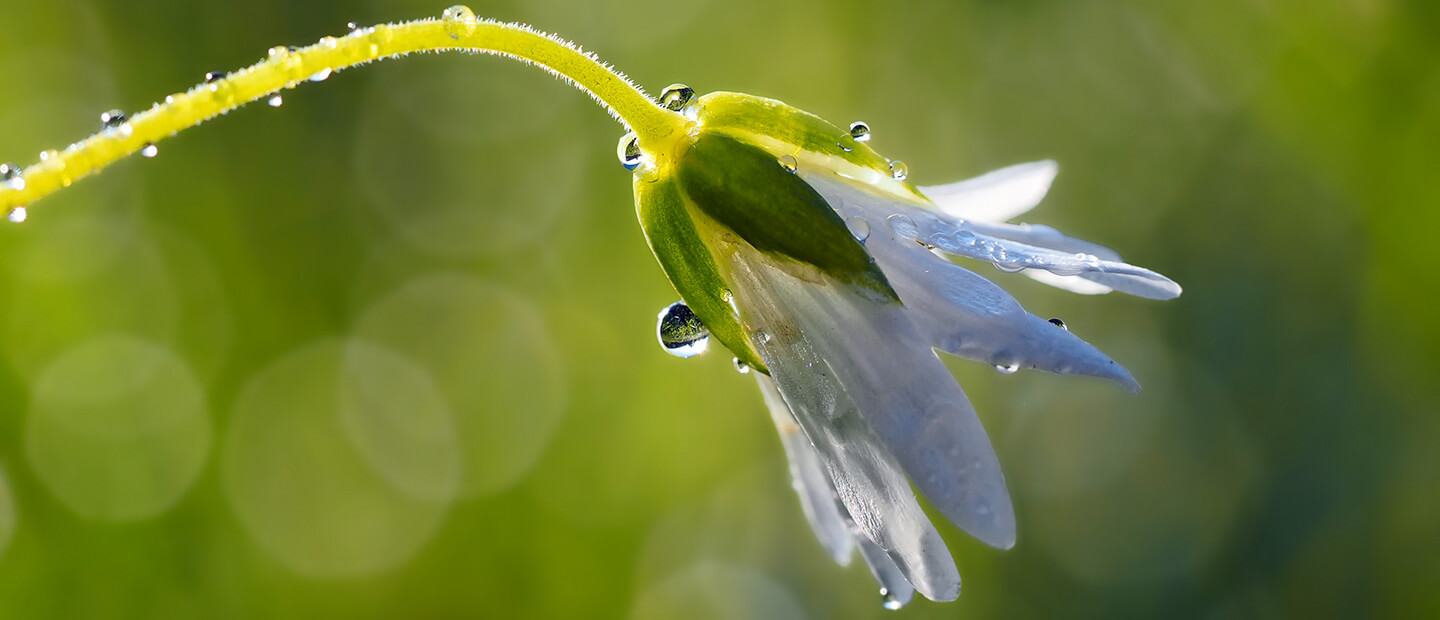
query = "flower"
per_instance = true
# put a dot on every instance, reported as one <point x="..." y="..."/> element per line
<point x="816" y="263"/>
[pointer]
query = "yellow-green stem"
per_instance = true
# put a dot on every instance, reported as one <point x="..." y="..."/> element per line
<point x="457" y="30"/>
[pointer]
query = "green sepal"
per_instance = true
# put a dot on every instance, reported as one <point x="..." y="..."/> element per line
<point x="746" y="190"/>
<point x="671" y="229"/>
<point x="792" y="131"/>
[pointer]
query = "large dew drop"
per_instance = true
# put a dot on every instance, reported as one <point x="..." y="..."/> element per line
<point x="112" y="119"/>
<point x="899" y="170"/>
<point x="676" y="96"/>
<point x="860" y="131"/>
<point x="628" y="150"/>
<point x="10" y="177"/>
<point x="459" y="21"/>
<point x="681" y="332"/>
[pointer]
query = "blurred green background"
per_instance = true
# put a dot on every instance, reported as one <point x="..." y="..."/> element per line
<point x="387" y="351"/>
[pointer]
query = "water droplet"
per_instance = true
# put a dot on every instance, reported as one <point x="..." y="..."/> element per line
<point x="903" y="226"/>
<point x="860" y="131"/>
<point x="859" y="226"/>
<point x="16" y="215"/>
<point x="763" y="337"/>
<point x="458" y="12"/>
<point x="275" y="100"/>
<point x="278" y="52"/>
<point x="1009" y="267"/>
<point x="965" y="237"/>
<point x="329" y="43"/>
<point x="681" y="333"/>
<point x="740" y="367"/>
<point x="789" y="163"/>
<point x="898" y="170"/>
<point x="215" y="76"/>
<point x="729" y="298"/>
<point x="628" y="150"/>
<point x="353" y="27"/>
<point x="1059" y="323"/>
<point x="321" y="75"/>
<point x="10" y="177"/>
<point x="676" y="97"/>
<point x="1008" y="369"/>
<point x="459" y="21"/>
<point x="847" y="143"/>
<point x="112" y="119"/>
<point x="49" y="155"/>
<point x="150" y="150"/>
<point x="889" y="601"/>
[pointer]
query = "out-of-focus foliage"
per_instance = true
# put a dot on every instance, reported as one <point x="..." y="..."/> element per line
<point x="257" y="377"/>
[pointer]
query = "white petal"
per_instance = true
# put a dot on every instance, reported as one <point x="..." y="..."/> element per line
<point x="995" y="196"/>
<point x="818" y="500"/>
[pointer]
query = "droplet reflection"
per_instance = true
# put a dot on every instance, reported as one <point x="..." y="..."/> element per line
<point x="681" y="333"/>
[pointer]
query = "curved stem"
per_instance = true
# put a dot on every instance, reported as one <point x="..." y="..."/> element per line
<point x="457" y="30"/>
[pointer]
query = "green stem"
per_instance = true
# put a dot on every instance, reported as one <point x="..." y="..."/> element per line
<point x="457" y="30"/>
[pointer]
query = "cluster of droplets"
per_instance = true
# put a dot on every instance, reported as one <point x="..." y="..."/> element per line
<point x="952" y="240"/>
<point x="675" y="97"/>
<point x="11" y="177"/>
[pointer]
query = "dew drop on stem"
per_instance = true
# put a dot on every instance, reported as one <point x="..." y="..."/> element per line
<point x="628" y="150"/>
<point x="112" y="119"/>
<point x="676" y="97"/>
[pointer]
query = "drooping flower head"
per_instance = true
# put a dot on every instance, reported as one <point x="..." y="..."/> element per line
<point x="814" y="260"/>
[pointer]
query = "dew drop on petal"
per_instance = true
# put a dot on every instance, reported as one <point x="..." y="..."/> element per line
<point x="215" y="76"/>
<point x="112" y="119"/>
<point x="275" y="101"/>
<point x="859" y="227"/>
<point x="903" y="226"/>
<point x="278" y="52"/>
<point x="899" y="170"/>
<point x="789" y="163"/>
<point x="847" y="143"/>
<point x="16" y="215"/>
<point x="1008" y="369"/>
<point x="321" y="75"/>
<point x="629" y="151"/>
<point x="353" y="27"/>
<point x="681" y="333"/>
<point x="48" y="155"/>
<point x="676" y="96"/>
<point x="889" y="601"/>
<point x="762" y="337"/>
<point x="860" y="131"/>
<point x="740" y="367"/>
<point x="1059" y="323"/>
<point x="1008" y="267"/>
<point x="150" y="150"/>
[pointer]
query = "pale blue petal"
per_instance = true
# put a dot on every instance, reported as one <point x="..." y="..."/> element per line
<point x="995" y="196"/>
<point x="818" y="500"/>
<point x="882" y="382"/>
<point x="893" y="587"/>
<point x="962" y="313"/>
